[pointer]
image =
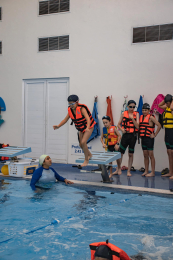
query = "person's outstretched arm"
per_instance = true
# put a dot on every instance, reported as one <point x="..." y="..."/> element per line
<point x="60" y="178"/>
<point x="62" y="122"/>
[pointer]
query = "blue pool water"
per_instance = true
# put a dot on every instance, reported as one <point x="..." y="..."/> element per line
<point x="140" y="225"/>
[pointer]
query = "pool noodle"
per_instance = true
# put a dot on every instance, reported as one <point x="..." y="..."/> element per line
<point x="54" y="221"/>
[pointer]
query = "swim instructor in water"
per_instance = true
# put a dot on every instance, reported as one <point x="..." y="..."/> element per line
<point x="45" y="176"/>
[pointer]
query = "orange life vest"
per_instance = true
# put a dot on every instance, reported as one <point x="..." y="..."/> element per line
<point x="127" y="122"/>
<point x="4" y="158"/>
<point x="110" y="138"/>
<point x="144" y="128"/>
<point x="117" y="253"/>
<point x="79" y="119"/>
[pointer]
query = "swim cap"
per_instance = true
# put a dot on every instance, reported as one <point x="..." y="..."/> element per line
<point x="42" y="158"/>
<point x="73" y="98"/>
<point x="104" y="252"/>
<point x="168" y="98"/>
<point x="106" y="117"/>
<point x="146" y="106"/>
<point x="130" y="102"/>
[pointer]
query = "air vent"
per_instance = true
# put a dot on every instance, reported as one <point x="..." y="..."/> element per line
<point x="0" y="47"/>
<point x="64" y="5"/>
<point x="54" y="43"/>
<point x="64" y="42"/>
<point x="166" y="32"/>
<point x="153" y="33"/>
<point x="139" y="34"/>
<point x="43" y="44"/>
<point x="53" y="6"/>
<point x="43" y="7"/>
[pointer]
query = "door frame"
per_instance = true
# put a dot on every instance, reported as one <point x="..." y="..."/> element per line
<point x="64" y="79"/>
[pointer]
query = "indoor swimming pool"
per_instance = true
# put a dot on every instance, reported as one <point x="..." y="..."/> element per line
<point x="140" y="224"/>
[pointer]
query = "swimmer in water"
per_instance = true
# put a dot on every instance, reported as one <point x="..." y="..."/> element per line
<point x="45" y="176"/>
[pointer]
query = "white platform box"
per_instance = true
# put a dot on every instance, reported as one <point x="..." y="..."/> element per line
<point x="23" y="167"/>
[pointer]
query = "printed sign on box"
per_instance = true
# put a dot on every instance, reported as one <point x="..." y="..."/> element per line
<point x="76" y="150"/>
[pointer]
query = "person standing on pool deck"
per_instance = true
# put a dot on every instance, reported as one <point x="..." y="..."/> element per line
<point x="129" y="125"/>
<point x="147" y="124"/>
<point x="167" y="105"/>
<point x="84" y="123"/>
<point x="45" y="176"/>
<point x="112" y="141"/>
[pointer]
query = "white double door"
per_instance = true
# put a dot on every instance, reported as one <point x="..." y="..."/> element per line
<point x="45" y="105"/>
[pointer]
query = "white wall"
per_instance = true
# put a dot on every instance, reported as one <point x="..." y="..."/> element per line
<point x="101" y="61"/>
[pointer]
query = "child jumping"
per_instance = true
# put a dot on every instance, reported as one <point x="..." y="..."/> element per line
<point x="84" y="123"/>
<point x="130" y="125"/>
<point x="112" y="141"/>
<point x="147" y="124"/>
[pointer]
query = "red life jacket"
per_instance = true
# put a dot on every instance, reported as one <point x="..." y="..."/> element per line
<point x="144" y="128"/>
<point x="112" y="137"/>
<point x="79" y="119"/>
<point x="117" y="253"/>
<point x="127" y="122"/>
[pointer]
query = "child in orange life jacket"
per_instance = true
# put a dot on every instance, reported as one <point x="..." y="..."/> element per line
<point x="147" y="124"/>
<point x="112" y="141"/>
<point x="167" y="105"/>
<point x="84" y="123"/>
<point x="130" y="125"/>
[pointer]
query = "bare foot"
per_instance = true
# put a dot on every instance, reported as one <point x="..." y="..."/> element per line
<point x="119" y="171"/>
<point x="145" y="173"/>
<point x="171" y="178"/>
<point x="129" y="174"/>
<point x="114" y="173"/>
<point x="151" y="174"/>
<point x="167" y="175"/>
<point x="85" y="163"/>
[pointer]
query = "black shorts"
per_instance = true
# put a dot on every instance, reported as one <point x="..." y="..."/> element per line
<point x="111" y="148"/>
<point x="147" y="143"/>
<point x="128" y="140"/>
<point x="169" y="138"/>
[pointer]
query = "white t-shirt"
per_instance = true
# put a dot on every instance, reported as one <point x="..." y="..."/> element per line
<point x="47" y="179"/>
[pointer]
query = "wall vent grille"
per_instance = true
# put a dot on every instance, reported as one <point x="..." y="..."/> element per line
<point x="153" y="33"/>
<point x="54" y="43"/>
<point x="54" y="6"/>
